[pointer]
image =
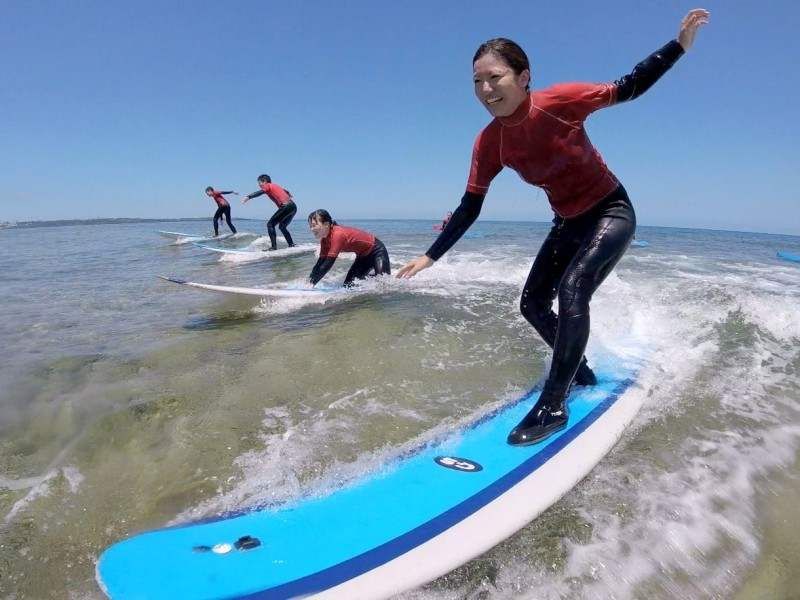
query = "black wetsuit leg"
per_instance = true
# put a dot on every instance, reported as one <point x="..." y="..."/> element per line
<point x="282" y="217"/>
<point x="574" y="260"/>
<point x="604" y="235"/>
<point x="374" y="263"/>
<point x="227" y="212"/>
<point x="217" y="216"/>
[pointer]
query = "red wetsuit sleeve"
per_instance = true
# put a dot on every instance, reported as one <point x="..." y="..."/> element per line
<point x="485" y="163"/>
<point x="576" y="101"/>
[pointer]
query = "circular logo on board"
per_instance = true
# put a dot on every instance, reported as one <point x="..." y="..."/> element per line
<point x="458" y="464"/>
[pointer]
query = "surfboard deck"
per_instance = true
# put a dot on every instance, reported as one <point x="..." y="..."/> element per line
<point x="259" y="254"/>
<point x="788" y="256"/>
<point x="424" y="514"/>
<point x="292" y="292"/>
<point x="191" y="237"/>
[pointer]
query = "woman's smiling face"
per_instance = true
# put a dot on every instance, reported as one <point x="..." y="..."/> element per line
<point x="498" y="88"/>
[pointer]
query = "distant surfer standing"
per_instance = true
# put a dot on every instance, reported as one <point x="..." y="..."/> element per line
<point x="372" y="258"/>
<point x="541" y="135"/>
<point x="445" y="221"/>
<point x="223" y="208"/>
<point x="285" y="213"/>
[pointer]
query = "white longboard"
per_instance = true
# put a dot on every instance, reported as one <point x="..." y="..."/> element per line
<point x="259" y="292"/>
<point x="243" y="255"/>
<point x="186" y="238"/>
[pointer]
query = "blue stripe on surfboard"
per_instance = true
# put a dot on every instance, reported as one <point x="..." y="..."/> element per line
<point x="306" y="565"/>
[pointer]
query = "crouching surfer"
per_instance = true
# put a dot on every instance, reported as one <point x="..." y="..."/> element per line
<point x="372" y="258"/>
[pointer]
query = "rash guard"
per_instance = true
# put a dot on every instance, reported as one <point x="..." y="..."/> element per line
<point x="219" y="198"/>
<point x="545" y="142"/>
<point x="276" y="193"/>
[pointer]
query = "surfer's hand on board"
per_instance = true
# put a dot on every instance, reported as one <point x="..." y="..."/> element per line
<point x="695" y="18"/>
<point x="414" y="266"/>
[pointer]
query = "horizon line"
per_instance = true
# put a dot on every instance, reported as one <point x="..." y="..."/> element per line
<point x="112" y="220"/>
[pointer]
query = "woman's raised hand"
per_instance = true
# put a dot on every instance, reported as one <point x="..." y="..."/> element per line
<point x="695" y="19"/>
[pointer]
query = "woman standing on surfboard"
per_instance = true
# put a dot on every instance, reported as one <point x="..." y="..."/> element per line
<point x="372" y="258"/>
<point x="223" y="208"/>
<point x="541" y="135"/>
<point x="285" y="213"/>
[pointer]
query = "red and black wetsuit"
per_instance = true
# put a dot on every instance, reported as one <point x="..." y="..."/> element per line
<point x="283" y="216"/>
<point x="223" y="208"/>
<point x="544" y="140"/>
<point x="371" y="254"/>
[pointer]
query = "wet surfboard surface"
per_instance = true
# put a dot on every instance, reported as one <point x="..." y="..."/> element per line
<point x="425" y="513"/>
<point x="285" y="292"/>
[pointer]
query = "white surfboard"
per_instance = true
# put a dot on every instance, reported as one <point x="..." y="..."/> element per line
<point x="290" y="292"/>
<point x="186" y="238"/>
<point x="243" y="255"/>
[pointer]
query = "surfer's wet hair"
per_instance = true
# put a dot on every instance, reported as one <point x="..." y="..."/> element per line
<point x="264" y="179"/>
<point x="511" y="52"/>
<point x="209" y="189"/>
<point x="321" y="216"/>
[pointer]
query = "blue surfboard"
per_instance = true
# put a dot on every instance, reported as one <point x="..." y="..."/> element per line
<point x="788" y="256"/>
<point x="640" y="244"/>
<point x="427" y="512"/>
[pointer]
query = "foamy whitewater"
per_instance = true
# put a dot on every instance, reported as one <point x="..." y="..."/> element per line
<point x="128" y="403"/>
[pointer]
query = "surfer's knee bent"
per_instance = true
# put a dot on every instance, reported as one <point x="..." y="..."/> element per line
<point x="535" y="307"/>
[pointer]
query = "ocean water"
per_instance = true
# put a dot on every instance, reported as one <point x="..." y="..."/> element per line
<point x="128" y="403"/>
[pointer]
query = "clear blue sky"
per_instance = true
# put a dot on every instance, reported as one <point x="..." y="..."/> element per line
<point x="129" y="109"/>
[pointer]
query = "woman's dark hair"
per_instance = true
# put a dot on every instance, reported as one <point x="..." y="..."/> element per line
<point x="509" y="51"/>
<point x="209" y="189"/>
<point x="264" y="179"/>
<point x="321" y="215"/>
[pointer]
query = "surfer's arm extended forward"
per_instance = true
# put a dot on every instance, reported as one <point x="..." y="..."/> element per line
<point x="650" y="70"/>
<point x="253" y="195"/>
<point x="463" y="217"/>
<point x="324" y="264"/>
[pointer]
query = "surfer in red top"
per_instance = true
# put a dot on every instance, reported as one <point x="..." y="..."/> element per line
<point x="223" y="208"/>
<point x="372" y="258"/>
<point x="285" y="213"/>
<point x="541" y="136"/>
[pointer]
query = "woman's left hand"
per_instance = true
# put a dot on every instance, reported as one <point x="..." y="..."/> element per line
<point x="691" y="23"/>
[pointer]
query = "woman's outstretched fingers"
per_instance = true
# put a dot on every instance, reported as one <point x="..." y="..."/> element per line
<point x="690" y="24"/>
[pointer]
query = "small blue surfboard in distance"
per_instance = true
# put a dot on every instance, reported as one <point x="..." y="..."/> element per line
<point x="788" y="256"/>
<point x="640" y="244"/>
<point x="424" y="514"/>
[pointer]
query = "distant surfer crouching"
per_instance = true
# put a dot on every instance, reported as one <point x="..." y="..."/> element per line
<point x="223" y="208"/>
<point x="372" y="258"/>
<point x="541" y="135"/>
<point x="285" y="213"/>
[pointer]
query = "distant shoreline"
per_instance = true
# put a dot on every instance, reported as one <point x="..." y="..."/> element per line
<point x="129" y="220"/>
